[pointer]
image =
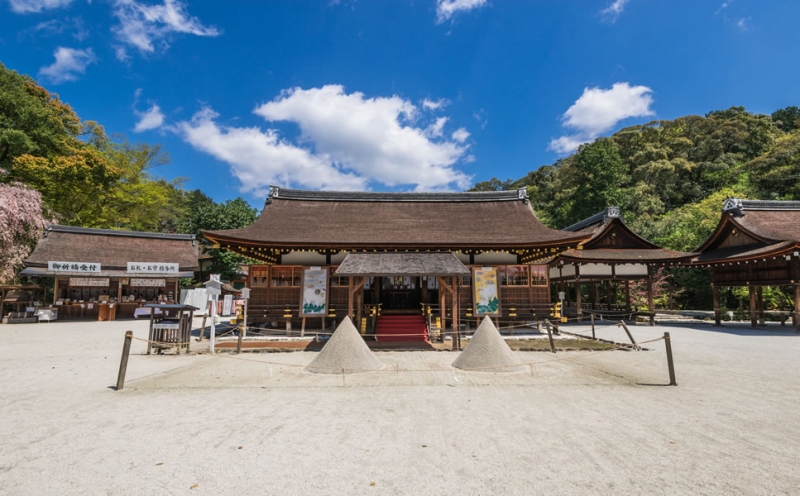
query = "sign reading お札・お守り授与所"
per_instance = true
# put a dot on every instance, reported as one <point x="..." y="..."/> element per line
<point x="152" y="268"/>
<point x="86" y="267"/>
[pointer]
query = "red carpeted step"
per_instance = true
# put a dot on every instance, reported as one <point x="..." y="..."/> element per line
<point x="402" y="328"/>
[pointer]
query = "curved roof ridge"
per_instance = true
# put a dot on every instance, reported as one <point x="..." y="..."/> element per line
<point x="113" y="232"/>
<point x="276" y="192"/>
<point x="598" y="218"/>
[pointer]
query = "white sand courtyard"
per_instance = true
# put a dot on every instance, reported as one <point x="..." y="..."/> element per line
<point x="258" y="423"/>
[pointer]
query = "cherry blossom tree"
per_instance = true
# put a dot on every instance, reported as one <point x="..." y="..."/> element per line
<point x="21" y="225"/>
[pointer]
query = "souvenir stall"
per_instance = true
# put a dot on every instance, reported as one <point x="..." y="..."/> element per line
<point x="106" y="275"/>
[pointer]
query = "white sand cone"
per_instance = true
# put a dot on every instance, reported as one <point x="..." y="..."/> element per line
<point x="345" y="352"/>
<point x="488" y="351"/>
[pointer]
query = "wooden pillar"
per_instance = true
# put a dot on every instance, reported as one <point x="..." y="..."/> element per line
<point x="350" y="296"/>
<point x="753" y="307"/>
<point x="650" y="306"/>
<point x="456" y="330"/>
<point x="717" y="313"/>
<point x="797" y="307"/>
<point x="627" y="296"/>
<point x="578" y="304"/>
<point x="608" y="294"/>
<point x="760" y="303"/>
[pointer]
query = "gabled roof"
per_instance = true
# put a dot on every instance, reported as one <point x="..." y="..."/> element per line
<point x="113" y="249"/>
<point x="751" y="229"/>
<point x="363" y="220"/>
<point x="612" y="241"/>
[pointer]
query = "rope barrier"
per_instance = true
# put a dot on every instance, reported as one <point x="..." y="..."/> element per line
<point x="397" y="370"/>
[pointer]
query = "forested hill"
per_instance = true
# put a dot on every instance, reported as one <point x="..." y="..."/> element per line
<point x="670" y="177"/>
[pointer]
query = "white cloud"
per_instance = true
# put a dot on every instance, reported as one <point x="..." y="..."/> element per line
<point x="599" y="110"/>
<point x="374" y="137"/>
<point x="69" y="64"/>
<point x="144" y="26"/>
<point x="614" y="10"/>
<point x="435" y="104"/>
<point x="260" y="158"/>
<point x="151" y="118"/>
<point x="348" y="141"/>
<point x="460" y="135"/>
<point x="743" y="23"/>
<point x="30" y="6"/>
<point x="446" y="9"/>
<point x="435" y="130"/>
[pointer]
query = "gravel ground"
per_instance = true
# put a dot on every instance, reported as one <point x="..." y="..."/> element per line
<point x="586" y="423"/>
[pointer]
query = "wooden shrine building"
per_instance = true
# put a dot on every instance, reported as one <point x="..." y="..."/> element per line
<point x="103" y="273"/>
<point x="755" y="244"/>
<point x="611" y="254"/>
<point x="453" y="255"/>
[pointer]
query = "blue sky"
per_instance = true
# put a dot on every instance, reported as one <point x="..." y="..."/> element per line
<point x="394" y="95"/>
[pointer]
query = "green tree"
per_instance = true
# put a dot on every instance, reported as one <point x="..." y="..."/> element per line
<point x="203" y="214"/>
<point x="787" y="119"/>
<point x="33" y="121"/>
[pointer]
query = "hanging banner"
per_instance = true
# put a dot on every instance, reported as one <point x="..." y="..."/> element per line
<point x="485" y="293"/>
<point x="88" y="267"/>
<point x="148" y="283"/>
<point x="152" y="268"/>
<point x="315" y="292"/>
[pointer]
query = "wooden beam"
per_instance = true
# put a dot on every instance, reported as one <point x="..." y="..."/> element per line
<point x="443" y="283"/>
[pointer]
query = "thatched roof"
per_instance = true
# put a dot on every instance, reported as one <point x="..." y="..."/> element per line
<point x="401" y="264"/>
<point x="112" y="249"/>
<point x="320" y="219"/>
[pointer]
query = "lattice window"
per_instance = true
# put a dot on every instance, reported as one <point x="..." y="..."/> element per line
<point x="539" y="275"/>
<point x="286" y="277"/>
<point x="258" y="276"/>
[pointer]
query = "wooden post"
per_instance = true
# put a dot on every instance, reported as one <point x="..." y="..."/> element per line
<point x="303" y="327"/>
<point x="578" y="304"/>
<point x="289" y="327"/>
<point x="760" y="304"/>
<point x="717" y="312"/>
<point x="630" y="336"/>
<point x="150" y="334"/>
<point x="627" y="296"/>
<point x="350" y="297"/>
<point x="670" y="363"/>
<point x="203" y="326"/>
<point x="456" y="329"/>
<point x="244" y="317"/>
<point x="592" y="317"/>
<point x="650" y="306"/>
<point x="550" y="335"/>
<point x="593" y="295"/>
<point x="753" y="308"/>
<point x="608" y="295"/>
<point x="797" y="307"/>
<point x="239" y="341"/>
<point x="123" y="362"/>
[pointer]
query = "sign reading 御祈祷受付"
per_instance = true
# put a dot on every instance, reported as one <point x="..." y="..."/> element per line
<point x="87" y="267"/>
<point x="152" y="268"/>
